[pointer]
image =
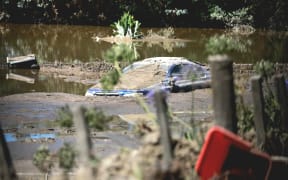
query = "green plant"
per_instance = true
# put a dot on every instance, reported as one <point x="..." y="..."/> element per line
<point x="231" y="19"/>
<point x="110" y="80"/>
<point x="225" y="43"/>
<point x="42" y="159"/>
<point x="127" y="26"/>
<point x="276" y="137"/>
<point x="245" y="116"/>
<point x="266" y="69"/>
<point x="176" y="12"/>
<point x="95" y="118"/>
<point x="116" y="54"/>
<point x="66" y="157"/>
<point x="64" y="117"/>
<point x="121" y="53"/>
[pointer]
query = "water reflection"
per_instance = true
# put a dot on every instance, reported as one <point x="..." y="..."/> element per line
<point x="70" y="43"/>
<point x="53" y="42"/>
<point x="20" y="78"/>
<point x="226" y="43"/>
<point x="18" y="81"/>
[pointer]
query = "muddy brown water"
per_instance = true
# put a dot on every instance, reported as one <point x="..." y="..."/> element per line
<point x="74" y="44"/>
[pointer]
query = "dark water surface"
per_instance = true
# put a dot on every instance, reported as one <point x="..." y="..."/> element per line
<point x="15" y="81"/>
<point x="70" y="44"/>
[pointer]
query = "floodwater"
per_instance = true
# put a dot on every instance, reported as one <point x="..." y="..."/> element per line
<point x="15" y="81"/>
<point x="69" y="44"/>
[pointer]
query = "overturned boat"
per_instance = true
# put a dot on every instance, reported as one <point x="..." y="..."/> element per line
<point x="23" y="62"/>
<point x="174" y="74"/>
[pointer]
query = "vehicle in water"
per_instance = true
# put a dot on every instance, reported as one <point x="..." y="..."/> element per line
<point x="174" y="74"/>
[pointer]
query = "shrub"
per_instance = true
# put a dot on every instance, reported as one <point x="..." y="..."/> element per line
<point x="232" y="19"/>
<point x="66" y="156"/>
<point x="42" y="159"/>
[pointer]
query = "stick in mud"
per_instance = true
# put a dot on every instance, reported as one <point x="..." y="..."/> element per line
<point x="84" y="143"/>
<point x="163" y="117"/>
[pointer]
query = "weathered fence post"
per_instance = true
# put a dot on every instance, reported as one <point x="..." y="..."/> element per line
<point x="260" y="117"/>
<point x="84" y="144"/>
<point x="7" y="170"/>
<point x="223" y="92"/>
<point x="165" y="136"/>
<point x="281" y="96"/>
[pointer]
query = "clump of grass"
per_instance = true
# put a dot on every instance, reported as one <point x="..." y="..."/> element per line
<point x="66" y="157"/>
<point x="94" y="117"/>
<point x="42" y="159"/>
<point x="64" y="117"/>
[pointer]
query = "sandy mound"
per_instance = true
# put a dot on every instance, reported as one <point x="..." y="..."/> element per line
<point x="139" y="78"/>
<point x="142" y="77"/>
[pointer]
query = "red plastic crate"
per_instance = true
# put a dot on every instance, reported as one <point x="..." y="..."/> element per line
<point x="224" y="151"/>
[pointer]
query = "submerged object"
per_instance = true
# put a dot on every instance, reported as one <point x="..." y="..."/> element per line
<point x="168" y="73"/>
<point x="23" y="62"/>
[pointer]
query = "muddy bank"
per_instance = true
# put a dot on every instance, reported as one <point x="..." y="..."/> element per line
<point x="36" y="112"/>
<point x="90" y="73"/>
<point x="86" y="73"/>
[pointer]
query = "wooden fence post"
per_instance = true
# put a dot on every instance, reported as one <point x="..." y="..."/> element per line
<point x="260" y="117"/>
<point x="84" y="144"/>
<point x="165" y="136"/>
<point x="7" y="170"/>
<point x="223" y="92"/>
<point x="281" y="96"/>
